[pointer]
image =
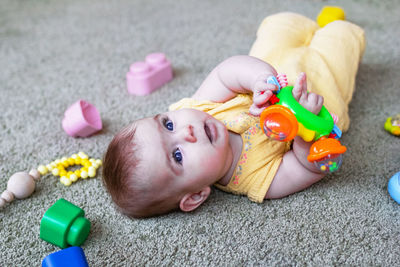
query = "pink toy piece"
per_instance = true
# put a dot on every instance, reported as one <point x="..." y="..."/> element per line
<point x="334" y="117"/>
<point x="282" y="79"/>
<point x="145" y="77"/>
<point x="81" y="119"/>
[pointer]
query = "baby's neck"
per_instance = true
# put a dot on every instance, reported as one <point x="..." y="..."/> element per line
<point x="236" y="142"/>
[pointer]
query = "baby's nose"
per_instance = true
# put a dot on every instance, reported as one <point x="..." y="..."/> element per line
<point x="188" y="134"/>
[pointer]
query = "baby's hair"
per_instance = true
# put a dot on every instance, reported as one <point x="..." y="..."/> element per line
<point x="129" y="187"/>
<point x="118" y="165"/>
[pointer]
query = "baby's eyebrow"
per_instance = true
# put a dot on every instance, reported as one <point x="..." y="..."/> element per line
<point x="156" y="118"/>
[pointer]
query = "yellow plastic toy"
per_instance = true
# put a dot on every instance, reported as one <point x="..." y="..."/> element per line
<point x="392" y="125"/>
<point x="329" y="14"/>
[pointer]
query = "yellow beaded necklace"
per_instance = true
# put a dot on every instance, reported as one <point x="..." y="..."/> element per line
<point x="22" y="184"/>
<point x="58" y="168"/>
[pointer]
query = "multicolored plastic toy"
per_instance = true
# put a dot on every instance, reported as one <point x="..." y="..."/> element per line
<point x="286" y="118"/>
<point x="392" y="125"/>
<point x="81" y="119"/>
<point x="329" y="14"/>
<point x="64" y="224"/>
<point x="145" y="77"/>
<point x="73" y="256"/>
<point x="22" y="184"/>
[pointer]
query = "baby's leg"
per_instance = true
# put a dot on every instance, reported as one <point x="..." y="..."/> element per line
<point x="330" y="56"/>
<point x="341" y="44"/>
<point x="280" y="32"/>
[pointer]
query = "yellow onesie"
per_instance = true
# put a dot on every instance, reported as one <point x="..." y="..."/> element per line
<point x="292" y="44"/>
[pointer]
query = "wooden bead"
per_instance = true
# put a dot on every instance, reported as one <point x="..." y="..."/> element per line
<point x="35" y="174"/>
<point x="7" y="196"/>
<point x="21" y="184"/>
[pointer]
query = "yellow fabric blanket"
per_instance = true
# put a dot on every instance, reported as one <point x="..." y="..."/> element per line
<point x="329" y="56"/>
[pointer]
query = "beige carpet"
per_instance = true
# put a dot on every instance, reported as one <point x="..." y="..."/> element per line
<point x="53" y="53"/>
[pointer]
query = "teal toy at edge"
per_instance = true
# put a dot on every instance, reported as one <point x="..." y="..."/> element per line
<point x="64" y="224"/>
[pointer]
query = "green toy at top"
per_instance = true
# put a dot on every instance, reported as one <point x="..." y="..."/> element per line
<point x="64" y="224"/>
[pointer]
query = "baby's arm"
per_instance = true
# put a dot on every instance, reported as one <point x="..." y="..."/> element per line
<point x="237" y="74"/>
<point x="295" y="172"/>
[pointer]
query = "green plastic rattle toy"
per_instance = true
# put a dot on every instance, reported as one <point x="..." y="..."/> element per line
<point x="286" y="118"/>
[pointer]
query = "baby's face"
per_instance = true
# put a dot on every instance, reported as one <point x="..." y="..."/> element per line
<point x="185" y="149"/>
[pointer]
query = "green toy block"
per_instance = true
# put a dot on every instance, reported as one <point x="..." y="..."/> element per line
<point x="64" y="224"/>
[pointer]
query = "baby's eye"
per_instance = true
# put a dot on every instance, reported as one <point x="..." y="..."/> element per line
<point x="177" y="154"/>
<point x="168" y="124"/>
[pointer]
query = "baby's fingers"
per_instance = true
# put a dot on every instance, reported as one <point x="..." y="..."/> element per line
<point x="314" y="103"/>
<point x="316" y="100"/>
<point x="263" y="85"/>
<point x="300" y="87"/>
<point x="261" y="97"/>
<point x="320" y="101"/>
<point x="256" y="110"/>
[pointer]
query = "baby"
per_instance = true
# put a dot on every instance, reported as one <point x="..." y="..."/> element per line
<point x="169" y="161"/>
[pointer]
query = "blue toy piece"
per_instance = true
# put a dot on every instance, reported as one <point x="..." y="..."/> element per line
<point x="72" y="256"/>
<point x="274" y="80"/>
<point x="394" y="187"/>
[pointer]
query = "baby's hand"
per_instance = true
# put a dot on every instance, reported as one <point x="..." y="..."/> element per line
<point x="309" y="101"/>
<point x="262" y="91"/>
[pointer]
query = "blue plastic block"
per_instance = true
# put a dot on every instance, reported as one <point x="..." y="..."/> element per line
<point x="394" y="187"/>
<point x="72" y="256"/>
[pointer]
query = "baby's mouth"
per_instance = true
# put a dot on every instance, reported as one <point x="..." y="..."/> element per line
<point x="208" y="132"/>
<point x="211" y="130"/>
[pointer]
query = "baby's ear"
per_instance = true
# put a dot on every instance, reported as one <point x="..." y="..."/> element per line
<point x="191" y="201"/>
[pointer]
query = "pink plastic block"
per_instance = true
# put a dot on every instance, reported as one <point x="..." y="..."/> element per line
<point x="145" y="77"/>
<point x="81" y="119"/>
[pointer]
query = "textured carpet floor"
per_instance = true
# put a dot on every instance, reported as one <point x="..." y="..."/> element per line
<point x="53" y="53"/>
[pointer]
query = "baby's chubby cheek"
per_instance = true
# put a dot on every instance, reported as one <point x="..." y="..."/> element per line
<point x="217" y="162"/>
<point x="211" y="169"/>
